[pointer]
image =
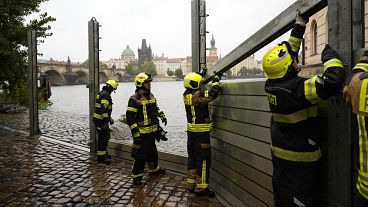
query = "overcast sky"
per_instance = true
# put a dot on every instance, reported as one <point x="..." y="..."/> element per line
<point x="165" y="24"/>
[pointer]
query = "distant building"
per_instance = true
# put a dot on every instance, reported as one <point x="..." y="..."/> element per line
<point x="249" y="63"/>
<point x="128" y="55"/>
<point x="161" y="65"/>
<point x="144" y="53"/>
<point x="212" y="57"/>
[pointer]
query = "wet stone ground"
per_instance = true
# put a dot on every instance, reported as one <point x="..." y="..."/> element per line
<point x="37" y="171"/>
<point x="74" y="129"/>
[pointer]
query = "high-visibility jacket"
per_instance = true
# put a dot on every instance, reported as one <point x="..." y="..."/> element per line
<point x="197" y="109"/>
<point x="356" y="95"/>
<point x="293" y="103"/>
<point x="142" y="113"/>
<point x="103" y="108"/>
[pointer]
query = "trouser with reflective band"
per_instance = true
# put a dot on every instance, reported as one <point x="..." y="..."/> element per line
<point x="295" y="183"/>
<point x="360" y="196"/>
<point x="144" y="152"/>
<point x="103" y="140"/>
<point x="199" y="159"/>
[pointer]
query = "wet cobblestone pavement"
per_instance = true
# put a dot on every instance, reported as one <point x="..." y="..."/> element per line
<point x="74" y="129"/>
<point x="37" y="171"/>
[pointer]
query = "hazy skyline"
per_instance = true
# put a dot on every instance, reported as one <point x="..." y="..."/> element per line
<point x="165" y="24"/>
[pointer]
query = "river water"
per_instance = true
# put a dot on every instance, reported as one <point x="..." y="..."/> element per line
<point x="169" y="95"/>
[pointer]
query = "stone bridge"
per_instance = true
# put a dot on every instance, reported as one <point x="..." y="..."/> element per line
<point x="67" y="73"/>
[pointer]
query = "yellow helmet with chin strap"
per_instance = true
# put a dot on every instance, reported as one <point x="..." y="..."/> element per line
<point x="113" y="84"/>
<point x="192" y="80"/>
<point x="277" y="60"/>
<point x="141" y="78"/>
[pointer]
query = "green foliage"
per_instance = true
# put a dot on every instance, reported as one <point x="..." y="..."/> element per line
<point x="131" y="70"/>
<point x="250" y="73"/>
<point x="43" y="105"/>
<point x="148" y="67"/>
<point x="170" y="73"/>
<point x="13" y="44"/>
<point x="179" y="73"/>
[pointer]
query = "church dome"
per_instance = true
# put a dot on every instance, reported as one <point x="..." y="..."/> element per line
<point x="128" y="52"/>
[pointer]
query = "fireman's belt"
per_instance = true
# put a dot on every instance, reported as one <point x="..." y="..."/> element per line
<point x="296" y="117"/>
<point x="149" y="129"/>
<point x="296" y="156"/>
<point x="199" y="127"/>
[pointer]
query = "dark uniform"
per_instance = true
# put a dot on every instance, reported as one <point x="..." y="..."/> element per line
<point x="102" y="118"/>
<point x="295" y="145"/>
<point x="199" y="127"/>
<point x="142" y="117"/>
<point x="356" y="96"/>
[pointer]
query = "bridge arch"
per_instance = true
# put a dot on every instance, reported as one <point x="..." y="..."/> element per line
<point x="55" y="78"/>
<point x="83" y="77"/>
<point x="119" y="77"/>
<point x="103" y="77"/>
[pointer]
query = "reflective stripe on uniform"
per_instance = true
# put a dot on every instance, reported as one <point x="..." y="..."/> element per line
<point x="191" y="181"/>
<point x="203" y="183"/>
<point x="149" y="129"/>
<point x="145" y="115"/>
<point x="132" y="109"/>
<point x="97" y="116"/>
<point x="361" y="66"/>
<point x="363" y="97"/>
<point x="138" y="175"/>
<point x="192" y="109"/>
<point x="334" y="62"/>
<point x="199" y="127"/>
<point x="296" y="117"/>
<point x="106" y="102"/>
<point x="295" y="43"/>
<point x="133" y="126"/>
<point x="363" y="177"/>
<point x="101" y="152"/>
<point x="296" y="156"/>
<point x="206" y="94"/>
<point x="188" y="99"/>
<point x="310" y="91"/>
<point x="153" y="170"/>
<point x="97" y="105"/>
<point x="363" y="189"/>
<point x="149" y="101"/>
<point x="363" y="144"/>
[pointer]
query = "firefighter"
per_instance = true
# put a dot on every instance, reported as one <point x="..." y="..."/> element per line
<point x="199" y="127"/>
<point x="293" y="103"/>
<point x="355" y="94"/>
<point x="142" y="117"/>
<point x="102" y="119"/>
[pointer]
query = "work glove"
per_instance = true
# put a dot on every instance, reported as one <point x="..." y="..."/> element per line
<point x="328" y="53"/>
<point x="203" y="71"/>
<point x="300" y="20"/>
<point x="112" y="121"/>
<point x="216" y="78"/>
<point x="162" y="117"/>
<point x="364" y="58"/>
<point x="160" y="135"/>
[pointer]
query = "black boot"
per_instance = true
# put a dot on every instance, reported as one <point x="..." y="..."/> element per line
<point x="205" y="193"/>
<point x="101" y="159"/>
<point x="137" y="180"/>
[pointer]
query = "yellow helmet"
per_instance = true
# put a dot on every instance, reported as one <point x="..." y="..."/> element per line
<point x="192" y="80"/>
<point x="277" y="61"/>
<point x="113" y="84"/>
<point x="140" y="78"/>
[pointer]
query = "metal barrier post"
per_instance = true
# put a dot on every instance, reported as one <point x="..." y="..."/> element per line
<point x="94" y="83"/>
<point x="32" y="80"/>
<point x="198" y="35"/>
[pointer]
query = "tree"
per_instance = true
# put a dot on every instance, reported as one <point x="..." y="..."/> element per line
<point x="131" y="70"/>
<point x="179" y="73"/>
<point x="170" y="73"/>
<point x="102" y="65"/>
<point x="148" y="67"/>
<point x="13" y="43"/>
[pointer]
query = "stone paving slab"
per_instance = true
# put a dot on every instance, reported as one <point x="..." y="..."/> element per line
<point x="37" y="171"/>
